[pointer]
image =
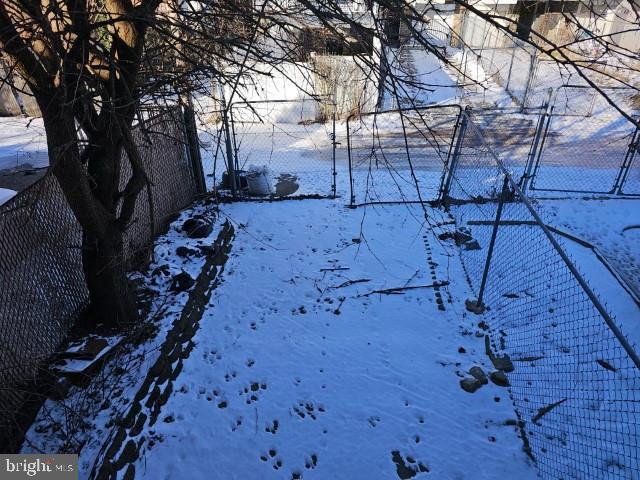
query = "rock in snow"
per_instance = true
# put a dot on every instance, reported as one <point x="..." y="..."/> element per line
<point x="181" y="282"/>
<point x="478" y="374"/>
<point x="197" y="227"/>
<point x="499" y="378"/>
<point x="470" y="384"/>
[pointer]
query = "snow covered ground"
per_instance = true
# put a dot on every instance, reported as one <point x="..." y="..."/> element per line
<point x="23" y="143"/>
<point x="612" y="225"/>
<point x="6" y="194"/>
<point x="300" y="370"/>
<point x="419" y="79"/>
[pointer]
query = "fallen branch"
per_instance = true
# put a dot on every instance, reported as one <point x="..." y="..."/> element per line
<point x="544" y="410"/>
<point x="350" y="282"/>
<point x="400" y="290"/>
<point x="333" y="269"/>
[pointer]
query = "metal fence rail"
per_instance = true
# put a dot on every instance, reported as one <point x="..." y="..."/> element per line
<point x="575" y="381"/>
<point x="280" y="148"/>
<point x="42" y="287"/>
<point x="400" y="155"/>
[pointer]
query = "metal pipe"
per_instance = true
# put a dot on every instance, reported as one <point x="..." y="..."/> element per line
<point x="492" y="242"/>
<point x="621" y="178"/>
<point x="333" y="153"/>
<point x="352" y="196"/>
<point x="537" y="143"/>
<point x="456" y="153"/>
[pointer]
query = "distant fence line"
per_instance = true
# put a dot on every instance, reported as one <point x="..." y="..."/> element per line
<point x="400" y="155"/>
<point x="520" y="68"/>
<point x="42" y="287"/>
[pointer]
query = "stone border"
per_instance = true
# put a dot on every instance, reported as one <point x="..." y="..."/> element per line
<point x="122" y="448"/>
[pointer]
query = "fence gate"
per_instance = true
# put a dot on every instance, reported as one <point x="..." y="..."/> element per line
<point x="280" y="148"/>
<point x="400" y="155"/>
<point x="588" y="155"/>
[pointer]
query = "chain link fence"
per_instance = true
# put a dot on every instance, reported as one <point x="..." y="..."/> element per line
<point x="504" y="58"/>
<point x="527" y="74"/>
<point x="42" y="287"/>
<point x="573" y="376"/>
<point x="278" y="148"/>
<point x="595" y="154"/>
<point x="400" y="155"/>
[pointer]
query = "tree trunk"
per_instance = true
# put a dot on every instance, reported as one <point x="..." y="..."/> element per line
<point x="111" y="296"/>
<point x="112" y="299"/>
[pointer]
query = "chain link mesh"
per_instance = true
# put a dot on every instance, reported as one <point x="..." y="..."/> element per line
<point x="283" y="148"/>
<point x="42" y="287"/>
<point x="575" y="383"/>
<point x="588" y="155"/>
<point x="399" y="155"/>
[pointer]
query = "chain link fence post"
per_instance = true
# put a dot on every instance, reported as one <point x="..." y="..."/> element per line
<point x="513" y="54"/>
<point x="450" y="168"/>
<point x="628" y="161"/>
<point x="478" y="306"/>
<point x="193" y="144"/>
<point x="537" y="145"/>
<point x="352" y="197"/>
<point x="531" y="79"/>
<point x="231" y="172"/>
<point x="334" y="174"/>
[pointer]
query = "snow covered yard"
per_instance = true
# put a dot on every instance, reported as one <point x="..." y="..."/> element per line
<point x="300" y="371"/>
<point x="611" y="225"/>
<point x="22" y="143"/>
<point x="23" y="154"/>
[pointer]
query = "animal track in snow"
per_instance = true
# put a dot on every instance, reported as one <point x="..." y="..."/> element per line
<point x="251" y="392"/>
<point x="311" y="462"/>
<point x="212" y="356"/>
<point x="272" y="454"/>
<point x="308" y="409"/>
<point x="407" y="466"/>
<point x="272" y="427"/>
<point x="237" y="424"/>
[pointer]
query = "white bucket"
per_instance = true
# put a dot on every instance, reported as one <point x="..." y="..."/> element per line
<point x="259" y="181"/>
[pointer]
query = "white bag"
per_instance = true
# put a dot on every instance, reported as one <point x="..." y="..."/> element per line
<point x="259" y="180"/>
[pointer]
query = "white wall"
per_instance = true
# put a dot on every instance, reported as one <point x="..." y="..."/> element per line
<point x="622" y="19"/>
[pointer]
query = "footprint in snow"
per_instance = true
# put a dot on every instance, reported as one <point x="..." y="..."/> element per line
<point x="311" y="462"/>
<point x="272" y="455"/>
<point x="212" y="357"/>
<point x="407" y="466"/>
<point x="272" y="427"/>
<point x="251" y="392"/>
<point x="308" y="409"/>
<point x="237" y="424"/>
